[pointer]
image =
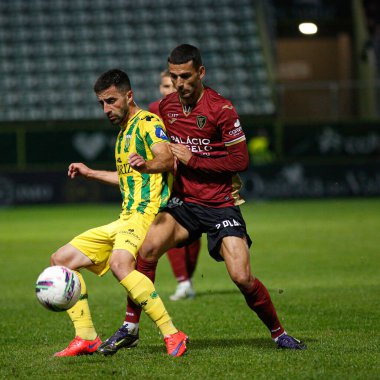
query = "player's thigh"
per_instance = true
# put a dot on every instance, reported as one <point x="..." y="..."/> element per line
<point x="97" y="244"/>
<point x="164" y="233"/>
<point x="70" y="257"/>
<point x="131" y="232"/>
<point x="235" y="253"/>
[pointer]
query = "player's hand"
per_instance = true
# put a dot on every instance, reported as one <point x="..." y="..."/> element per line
<point x="77" y="169"/>
<point x="181" y="152"/>
<point x="137" y="162"/>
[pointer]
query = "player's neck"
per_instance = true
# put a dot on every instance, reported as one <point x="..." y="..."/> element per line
<point x="189" y="104"/>
<point x="133" y="110"/>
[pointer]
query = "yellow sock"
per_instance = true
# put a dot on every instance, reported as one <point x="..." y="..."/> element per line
<point x="80" y="314"/>
<point x="142" y="292"/>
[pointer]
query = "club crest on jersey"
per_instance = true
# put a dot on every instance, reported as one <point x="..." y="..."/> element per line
<point x="201" y="121"/>
<point x="128" y="139"/>
<point x="160" y="133"/>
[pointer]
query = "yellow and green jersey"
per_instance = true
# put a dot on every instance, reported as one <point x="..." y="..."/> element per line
<point x="144" y="193"/>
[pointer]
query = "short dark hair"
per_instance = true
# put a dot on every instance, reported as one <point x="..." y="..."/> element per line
<point x="114" y="77"/>
<point x="185" y="53"/>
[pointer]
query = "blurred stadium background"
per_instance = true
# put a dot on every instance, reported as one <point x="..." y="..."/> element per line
<point x="309" y="103"/>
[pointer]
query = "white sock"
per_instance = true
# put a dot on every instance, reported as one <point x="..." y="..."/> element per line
<point x="185" y="284"/>
<point x="276" y="339"/>
<point x="133" y="328"/>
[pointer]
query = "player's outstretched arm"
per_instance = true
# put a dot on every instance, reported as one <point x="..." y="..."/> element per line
<point x="78" y="169"/>
<point x="163" y="160"/>
<point x="236" y="160"/>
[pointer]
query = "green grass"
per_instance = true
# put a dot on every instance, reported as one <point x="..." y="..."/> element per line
<point x="319" y="259"/>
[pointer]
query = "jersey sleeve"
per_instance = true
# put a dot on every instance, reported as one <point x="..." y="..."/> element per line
<point x="236" y="160"/>
<point x="155" y="131"/>
<point x="229" y="124"/>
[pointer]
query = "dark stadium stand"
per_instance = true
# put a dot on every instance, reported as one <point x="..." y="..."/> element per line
<point x="51" y="52"/>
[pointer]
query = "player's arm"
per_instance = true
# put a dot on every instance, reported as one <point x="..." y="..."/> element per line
<point x="163" y="160"/>
<point x="78" y="169"/>
<point x="236" y="160"/>
<point x="237" y="157"/>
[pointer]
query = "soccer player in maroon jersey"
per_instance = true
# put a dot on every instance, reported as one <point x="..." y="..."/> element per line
<point x="209" y="144"/>
<point x="183" y="260"/>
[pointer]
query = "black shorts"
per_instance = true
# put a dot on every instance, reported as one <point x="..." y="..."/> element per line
<point x="217" y="223"/>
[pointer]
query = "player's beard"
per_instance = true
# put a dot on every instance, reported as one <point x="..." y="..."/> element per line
<point x="190" y="96"/>
<point x="189" y="101"/>
<point x="115" y="120"/>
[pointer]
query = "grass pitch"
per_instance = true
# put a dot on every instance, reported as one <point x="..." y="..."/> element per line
<point x="319" y="259"/>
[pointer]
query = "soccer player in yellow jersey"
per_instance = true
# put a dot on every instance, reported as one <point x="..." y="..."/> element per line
<point x="143" y="163"/>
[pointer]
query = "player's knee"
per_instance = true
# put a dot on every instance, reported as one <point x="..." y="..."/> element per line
<point x="242" y="280"/>
<point x="122" y="263"/>
<point x="114" y="265"/>
<point x="57" y="258"/>
<point x="53" y="259"/>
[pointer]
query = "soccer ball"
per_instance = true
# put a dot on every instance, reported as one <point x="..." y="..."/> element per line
<point x="58" y="288"/>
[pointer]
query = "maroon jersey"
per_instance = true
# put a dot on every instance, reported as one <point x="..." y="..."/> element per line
<point x="153" y="107"/>
<point x="213" y="133"/>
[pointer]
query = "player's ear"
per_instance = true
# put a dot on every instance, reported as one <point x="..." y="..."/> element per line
<point x="129" y="96"/>
<point x="202" y="71"/>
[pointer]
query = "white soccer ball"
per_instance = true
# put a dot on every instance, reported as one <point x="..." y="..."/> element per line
<point x="58" y="288"/>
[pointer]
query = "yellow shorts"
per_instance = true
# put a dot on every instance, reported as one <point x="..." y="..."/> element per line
<point x="127" y="233"/>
